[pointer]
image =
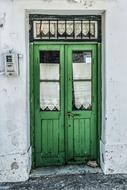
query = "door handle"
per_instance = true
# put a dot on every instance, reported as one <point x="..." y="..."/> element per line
<point x="69" y="114"/>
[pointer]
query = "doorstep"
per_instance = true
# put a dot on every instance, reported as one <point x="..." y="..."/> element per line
<point x="64" y="170"/>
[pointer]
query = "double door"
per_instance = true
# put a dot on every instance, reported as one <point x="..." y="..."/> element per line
<point x="65" y="103"/>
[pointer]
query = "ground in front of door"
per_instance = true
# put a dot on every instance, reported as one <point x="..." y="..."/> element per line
<point x="69" y="178"/>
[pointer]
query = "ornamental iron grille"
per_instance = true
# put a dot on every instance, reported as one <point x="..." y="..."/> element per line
<point x="78" y="28"/>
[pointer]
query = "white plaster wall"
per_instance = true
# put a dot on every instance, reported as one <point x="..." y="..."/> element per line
<point x="15" y="151"/>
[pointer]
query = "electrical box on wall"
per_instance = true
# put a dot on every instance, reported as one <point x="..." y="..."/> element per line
<point x="11" y="64"/>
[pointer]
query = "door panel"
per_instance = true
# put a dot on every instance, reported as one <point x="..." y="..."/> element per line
<point x="81" y="105"/>
<point x="49" y="104"/>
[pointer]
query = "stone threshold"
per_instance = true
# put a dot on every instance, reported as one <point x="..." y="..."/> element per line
<point x="64" y="170"/>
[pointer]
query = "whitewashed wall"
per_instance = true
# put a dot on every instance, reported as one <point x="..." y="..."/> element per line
<point x="15" y="151"/>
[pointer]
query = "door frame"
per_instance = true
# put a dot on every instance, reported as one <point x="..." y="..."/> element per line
<point x="31" y="91"/>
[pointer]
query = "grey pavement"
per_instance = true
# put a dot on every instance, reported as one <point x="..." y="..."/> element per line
<point x="69" y="178"/>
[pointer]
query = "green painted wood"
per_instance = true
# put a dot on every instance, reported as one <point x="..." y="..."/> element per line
<point x="56" y="137"/>
<point x="82" y="128"/>
<point x="99" y="83"/>
<point x="49" y="126"/>
<point x="63" y="43"/>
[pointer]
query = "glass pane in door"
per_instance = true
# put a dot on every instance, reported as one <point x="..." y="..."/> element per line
<point x="82" y="95"/>
<point x="49" y="71"/>
<point x="49" y="96"/>
<point x="49" y="81"/>
<point x="82" y="69"/>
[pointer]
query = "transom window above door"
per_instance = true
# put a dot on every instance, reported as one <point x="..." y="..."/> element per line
<point x="84" y="28"/>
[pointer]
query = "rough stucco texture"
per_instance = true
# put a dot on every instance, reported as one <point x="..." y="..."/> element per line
<point x="14" y="92"/>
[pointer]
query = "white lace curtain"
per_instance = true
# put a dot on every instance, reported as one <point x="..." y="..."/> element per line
<point x="49" y="91"/>
<point x="49" y="95"/>
<point x="82" y="89"/>
<point x="82" y="94"/>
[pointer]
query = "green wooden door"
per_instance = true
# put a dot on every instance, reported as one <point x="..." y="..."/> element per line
<point x="65" y="104"/>
<point x="81" y="103"/>
<point x="49" y="104"/>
